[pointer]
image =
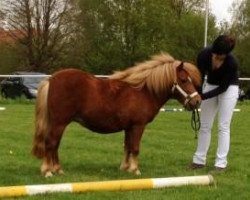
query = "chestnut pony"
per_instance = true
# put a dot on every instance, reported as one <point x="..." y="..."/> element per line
<point x="110" y="105"/>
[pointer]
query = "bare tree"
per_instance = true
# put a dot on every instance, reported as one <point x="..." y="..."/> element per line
<point x="42" y="27"/>
<point x="2" y="17"/>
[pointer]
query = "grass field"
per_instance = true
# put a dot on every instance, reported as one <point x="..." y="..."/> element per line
<point x="166" y="150"/>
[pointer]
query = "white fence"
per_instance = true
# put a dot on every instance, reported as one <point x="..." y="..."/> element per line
<point x="100" y="76"/>
<point x="244" y="79"/>
<point x="39" y="75"/>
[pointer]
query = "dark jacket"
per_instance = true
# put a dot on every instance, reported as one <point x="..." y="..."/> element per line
<point x="226" y="75"/>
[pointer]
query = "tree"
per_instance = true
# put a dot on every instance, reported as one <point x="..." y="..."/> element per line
<point x="241" y="29"/>
<point x="112" y="33"/>
<point x="42" y="28"/>
<point x="2" y="17"/>
<point x="185" y="6"/>
<point x="105" y="35"/>
<point x="119" y="33"/>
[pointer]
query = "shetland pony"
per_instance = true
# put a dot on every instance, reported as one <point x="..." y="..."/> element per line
<point x="110" y="105"/>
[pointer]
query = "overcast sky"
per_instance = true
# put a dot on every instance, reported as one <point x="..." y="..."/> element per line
<point x="220" y="9"/>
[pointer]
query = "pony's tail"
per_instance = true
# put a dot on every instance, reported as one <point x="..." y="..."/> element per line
<point x="42" y="125"/>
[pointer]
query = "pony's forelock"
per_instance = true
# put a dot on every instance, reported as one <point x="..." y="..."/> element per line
<point x="194" y="73"/>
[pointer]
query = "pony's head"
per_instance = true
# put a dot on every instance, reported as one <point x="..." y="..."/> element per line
<point x="184" y="87"/>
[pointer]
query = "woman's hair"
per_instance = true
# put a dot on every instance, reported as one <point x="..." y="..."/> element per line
<point x="223" y="44"/>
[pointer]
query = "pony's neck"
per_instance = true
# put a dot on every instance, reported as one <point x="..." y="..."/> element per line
<point x="159" y="99"/>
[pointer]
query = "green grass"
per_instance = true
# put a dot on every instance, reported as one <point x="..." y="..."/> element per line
<point x="167" y="147"/>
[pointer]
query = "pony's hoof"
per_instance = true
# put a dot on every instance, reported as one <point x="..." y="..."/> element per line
<point x="60" y="172"/>
<point x="137" y="172"/>
<point x="134" y="171"/>
<point x="57" y="169"/>
<point x="48" y="174"/>
<point x="124" y="167"/>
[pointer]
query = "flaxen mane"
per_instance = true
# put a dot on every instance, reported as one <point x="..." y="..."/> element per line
<point x="156" y="74"/>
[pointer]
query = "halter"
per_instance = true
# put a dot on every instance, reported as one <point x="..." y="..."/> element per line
<point x="195" y="120"/>
<point x="188" y="97"/>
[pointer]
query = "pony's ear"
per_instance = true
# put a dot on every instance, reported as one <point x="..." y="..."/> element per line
<point x="180" y="66"/>
<point x="181" y="72"/>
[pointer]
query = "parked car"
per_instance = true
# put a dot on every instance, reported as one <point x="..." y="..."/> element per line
<point x="248" y="93"/>
<point x="244" y="94"/>
<point x="25" y="85"/>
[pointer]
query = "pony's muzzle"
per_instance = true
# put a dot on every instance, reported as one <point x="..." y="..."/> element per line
<point x="192" y="103"/>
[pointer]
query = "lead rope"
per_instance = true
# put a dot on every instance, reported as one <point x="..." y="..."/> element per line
<point x="195" y="122"/>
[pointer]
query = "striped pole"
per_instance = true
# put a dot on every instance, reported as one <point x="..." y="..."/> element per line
<point x="184" y="110"/>
<point x="118" y="185"/>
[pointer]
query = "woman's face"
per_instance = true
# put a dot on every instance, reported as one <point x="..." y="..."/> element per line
<point x="217" y="60"/>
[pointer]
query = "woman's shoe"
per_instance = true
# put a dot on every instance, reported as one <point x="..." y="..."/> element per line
<point x="196" y="166"/>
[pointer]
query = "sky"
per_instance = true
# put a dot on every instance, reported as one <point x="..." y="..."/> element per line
<point x="220" y="9"/>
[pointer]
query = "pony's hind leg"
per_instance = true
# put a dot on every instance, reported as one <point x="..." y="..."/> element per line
<point x="56" y="167"/>
<point x="46" y="167"/>
<point x="51" y="162"/>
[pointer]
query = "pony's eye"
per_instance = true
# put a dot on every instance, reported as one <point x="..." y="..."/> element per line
<point x="185" y="79"/>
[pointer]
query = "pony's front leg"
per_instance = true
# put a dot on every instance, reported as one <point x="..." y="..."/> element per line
<point x="132" y="145"/>
<point x="133" y="164"/>
<point x="130" y="163"/>
<point x="125" y="161"/>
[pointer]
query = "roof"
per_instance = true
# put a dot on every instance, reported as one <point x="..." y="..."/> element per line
<point x="6" y="36"/>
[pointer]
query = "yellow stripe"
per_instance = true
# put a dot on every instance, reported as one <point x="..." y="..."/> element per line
<point x="13" y="191"/>
<point x="113" y="185"/>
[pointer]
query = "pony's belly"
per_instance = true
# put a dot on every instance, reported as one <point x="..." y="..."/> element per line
<point x="101" y="126"/>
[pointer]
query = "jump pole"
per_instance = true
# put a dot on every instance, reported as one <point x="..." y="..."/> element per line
<point x="117" y="185"/>
<point x="183" y="110"/>
<point x="2" y="108"/>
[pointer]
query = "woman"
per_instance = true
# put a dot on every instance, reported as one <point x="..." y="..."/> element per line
<point x="219" y="95"/>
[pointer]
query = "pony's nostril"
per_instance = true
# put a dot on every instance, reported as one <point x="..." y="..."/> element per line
<point x="198" y="102"/>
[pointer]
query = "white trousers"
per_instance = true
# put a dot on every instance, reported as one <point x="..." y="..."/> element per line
<point x="222" y="104"/>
